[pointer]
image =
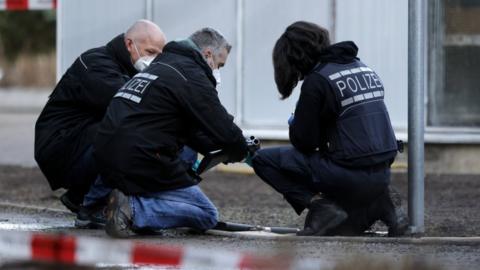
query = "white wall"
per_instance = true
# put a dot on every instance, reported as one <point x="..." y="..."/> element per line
<point x="248" y="90"/>
<point x="380" y="29"/>
<point x="85" y="24"/>
<point x="264" y="22"/>
<point x="180" y="18"/>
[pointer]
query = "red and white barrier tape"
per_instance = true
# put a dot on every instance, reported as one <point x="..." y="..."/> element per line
<point x="27" y="4"/>
<point x="91" y="251"/>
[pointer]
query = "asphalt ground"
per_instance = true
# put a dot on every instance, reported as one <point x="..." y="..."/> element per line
<point x="451" y="207"/>
<point x="26" y="204"/>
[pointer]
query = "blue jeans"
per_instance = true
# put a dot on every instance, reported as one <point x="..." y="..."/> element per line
<point x="184" y="207"/>
<point x="188" y="155"/>
<point x="99" y="191"/>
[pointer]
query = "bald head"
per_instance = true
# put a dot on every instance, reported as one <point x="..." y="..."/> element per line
<point x="144" y="38"/>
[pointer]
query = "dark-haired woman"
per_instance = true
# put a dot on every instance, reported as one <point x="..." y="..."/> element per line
<point x="343" y="142"/>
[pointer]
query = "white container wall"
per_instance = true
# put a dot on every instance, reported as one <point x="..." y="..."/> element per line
<point x="264" y="21"/>
<point x="180" y="18"/>
<point x="248" y="89"/>
<point x="380" y="29"/>
<point x="85" y="24"/>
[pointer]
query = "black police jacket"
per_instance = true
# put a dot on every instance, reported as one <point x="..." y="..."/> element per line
<point x="68" y="122"/>
<point x="154" y="115"/>
<point x="341" y="111"/>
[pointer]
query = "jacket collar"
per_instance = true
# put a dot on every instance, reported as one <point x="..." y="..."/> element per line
<point x="189" y="49"/>
<point x="117" y="47"/>
<point x="342" y="53"/>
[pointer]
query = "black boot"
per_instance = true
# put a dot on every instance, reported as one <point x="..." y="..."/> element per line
<point x="355" y="225"/>
<point x="323" y="215"/>
<point x="388" y="207"/>
<point x="70" y="203"/>
<point x="92" y="217"/>
<point x="119" y="216"/>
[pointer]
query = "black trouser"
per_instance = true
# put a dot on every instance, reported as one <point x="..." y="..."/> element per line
<point x="81" y="176"/>
<point x="299" y="177"/>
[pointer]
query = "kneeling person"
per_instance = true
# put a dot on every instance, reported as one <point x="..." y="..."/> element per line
<point x="149" y="121"/>
<point x="343" y="142"/>
<point x="65" y="129"/>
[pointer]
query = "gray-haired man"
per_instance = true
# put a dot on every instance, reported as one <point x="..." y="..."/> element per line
<point x="149" y="121"/>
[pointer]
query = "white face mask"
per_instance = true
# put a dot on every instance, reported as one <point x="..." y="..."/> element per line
<point x="215" y="71"/>
<point x="216" y="74"/>
<point x="143" y="61"/>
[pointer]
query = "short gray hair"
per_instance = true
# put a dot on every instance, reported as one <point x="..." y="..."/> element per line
<point x="210" y="38"/>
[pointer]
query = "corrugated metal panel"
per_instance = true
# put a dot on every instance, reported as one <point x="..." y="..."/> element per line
<point x="264" y="22"/>
<point x="85" y="24"/>
<point x="180" y="18"/>
<point x="380" y="29"/>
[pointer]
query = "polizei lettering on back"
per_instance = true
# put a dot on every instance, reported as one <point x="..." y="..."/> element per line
<point x="357" y="85"/>
<point x="133" y="89"/>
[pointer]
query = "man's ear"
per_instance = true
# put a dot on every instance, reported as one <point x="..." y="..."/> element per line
<point x="129" y="45"/>
<point x="207" y="52"/>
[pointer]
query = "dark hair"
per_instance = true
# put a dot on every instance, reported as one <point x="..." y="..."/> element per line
<point x="296" y="53"/>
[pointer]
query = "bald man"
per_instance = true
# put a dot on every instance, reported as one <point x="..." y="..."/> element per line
<point x="65" y="129"/>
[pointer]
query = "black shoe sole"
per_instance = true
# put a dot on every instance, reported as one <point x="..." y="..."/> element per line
<point x="115" y="217"/>
<point x="88" y="224"/>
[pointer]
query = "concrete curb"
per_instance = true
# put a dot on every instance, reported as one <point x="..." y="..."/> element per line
<point x="457" y="241"/>
<point x="242" y="168"/>
<point x="237" y="168"/>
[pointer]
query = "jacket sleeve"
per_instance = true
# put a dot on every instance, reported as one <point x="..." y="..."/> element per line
<point x="102" y="79"/>
<point x="314" y="112"/>
<point x="201" y="142"/>
<point x="203" y="106"/>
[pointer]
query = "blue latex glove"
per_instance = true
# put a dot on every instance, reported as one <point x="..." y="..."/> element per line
<point x="249" y="159"/>
<point x="290" y="120"/>
<point x="195" y="166"/>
